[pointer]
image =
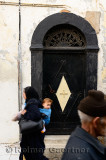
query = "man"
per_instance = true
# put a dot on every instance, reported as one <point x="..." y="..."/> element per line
<point x="83" y="143"/>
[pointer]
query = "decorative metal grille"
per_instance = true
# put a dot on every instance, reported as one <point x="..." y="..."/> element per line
<point x="67" y="37"/>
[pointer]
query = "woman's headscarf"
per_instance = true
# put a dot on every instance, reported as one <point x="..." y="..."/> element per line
<point x="30" y="93"/>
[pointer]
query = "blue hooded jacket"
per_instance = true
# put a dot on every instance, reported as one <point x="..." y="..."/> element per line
<point x="46" y="112"/>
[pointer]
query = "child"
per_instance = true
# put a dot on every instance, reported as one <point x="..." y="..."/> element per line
<point x="46" y="112"/>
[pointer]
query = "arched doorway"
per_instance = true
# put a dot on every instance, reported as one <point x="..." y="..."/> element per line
<point x="64" y="66"/>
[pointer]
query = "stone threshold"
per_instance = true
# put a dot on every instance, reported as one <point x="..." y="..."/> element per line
<point x="55" y="145"/>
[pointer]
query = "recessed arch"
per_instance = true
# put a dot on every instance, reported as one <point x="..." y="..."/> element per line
<point x="64" y="18"/>
<point x="71" y="37"/>
<point x="64" y="35"/>
<point x="37" y="47"/>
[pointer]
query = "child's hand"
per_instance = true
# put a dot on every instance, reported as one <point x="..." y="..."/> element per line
<point x="23" y="111"/>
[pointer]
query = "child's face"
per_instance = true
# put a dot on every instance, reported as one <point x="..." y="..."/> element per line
<point x="46" y="105"/>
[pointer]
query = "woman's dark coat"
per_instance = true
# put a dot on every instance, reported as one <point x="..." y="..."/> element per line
<point x="82" y="146"/>
<point x="32" y="145"/>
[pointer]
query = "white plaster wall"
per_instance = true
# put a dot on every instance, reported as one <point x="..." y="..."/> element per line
<point x="10" y="1"/>
<point x="102" y="45"/>
<point x="9" y="131"/>
<point x="31" y="16"/>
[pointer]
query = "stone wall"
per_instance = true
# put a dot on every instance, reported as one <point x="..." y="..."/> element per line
<point x="32" y="13"/>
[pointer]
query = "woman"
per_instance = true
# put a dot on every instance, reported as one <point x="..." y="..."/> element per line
<point x="32" y="145"/>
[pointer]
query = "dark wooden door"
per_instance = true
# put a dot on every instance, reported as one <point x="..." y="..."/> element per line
<point x="63" y="72"/>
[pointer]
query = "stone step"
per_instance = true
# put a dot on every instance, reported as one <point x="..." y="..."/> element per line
<point x="56" y="139"/>
<point x="55" y="146"/>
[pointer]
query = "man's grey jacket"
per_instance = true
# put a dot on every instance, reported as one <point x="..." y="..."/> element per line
<point x="82" y="146"/>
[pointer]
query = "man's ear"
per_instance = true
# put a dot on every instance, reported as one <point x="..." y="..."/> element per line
<point x="96" y="121"/>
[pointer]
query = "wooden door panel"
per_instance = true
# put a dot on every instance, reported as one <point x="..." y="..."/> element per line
<point x="72" y="67"/>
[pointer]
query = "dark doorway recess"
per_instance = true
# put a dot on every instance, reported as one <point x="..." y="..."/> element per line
<point x="64" y="51"/>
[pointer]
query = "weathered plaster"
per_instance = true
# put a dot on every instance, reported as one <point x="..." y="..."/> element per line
<point x="32" y="13"/>
<point x="93" y="17"/>
<point x="9" y="0"/>
<point x="27" y="32"/>
<point x="104" y="74"/>
<point x="8" y="73"/>
<point x="102" y="45"/>
<point x="8" y="107"/>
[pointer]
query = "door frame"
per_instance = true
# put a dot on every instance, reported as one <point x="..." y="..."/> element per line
<point x="91" y="49"/>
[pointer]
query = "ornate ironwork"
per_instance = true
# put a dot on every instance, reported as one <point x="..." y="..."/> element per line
<point x="64" y="38"/>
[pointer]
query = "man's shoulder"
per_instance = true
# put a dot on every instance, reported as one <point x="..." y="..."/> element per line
<point x="78" y="148"/>
<point x="75" y="141"/>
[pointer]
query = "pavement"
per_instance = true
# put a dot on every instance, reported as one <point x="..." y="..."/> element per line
<point x="54" y="148"/>
<point x="9" y="151"/>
